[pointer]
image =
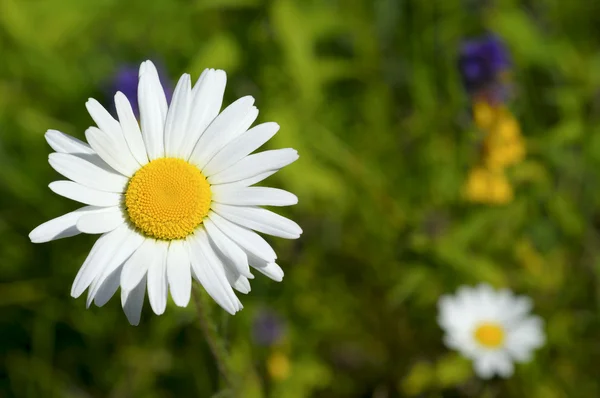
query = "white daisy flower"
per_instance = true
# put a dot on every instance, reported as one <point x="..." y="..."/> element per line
<point x="493" y="328"/>
<point x="171" y="197"/>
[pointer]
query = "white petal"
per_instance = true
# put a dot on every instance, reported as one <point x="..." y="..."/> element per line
<point x="504" y="366"/>
<point x="230" y="249"/>
<point x="103" y="119"/>
<point x="270" y="269"/>
<point x="232" y="122"/>
<point x="157" y="279"/>
<point x="210" y="272"/>
<point x="136" y="266"/>
<point x="108" y="288"/>
<point x="449" y="317"/>
<point x="100" y="254"/>
<point x="119" y="254"/>
<point x="525" y="337"/>
<point x="143" y="67"/>
<point x="246" y="182"/>
<point x="177" y="117"/>
<point x="237" y="280"/>
<point x="485" y="295"/>
<point x="242" y="146"/>
<point x="151" y="117"/>
<point x="518" y="308"/>
<point x="255" y="164"/>
<point x="521" y="355"/>
<point x="96" y="160"/>
<point x="86" y="173"/>
<point x="260" y="220"/>
<point x="131" y="128"/>
<point x="253" y="196"/>
<point x="156" y="86"/>
<point x="452" y="342"/>
<point x="249" y="240"/>
<point x="113" y="150"/>
<point x="179" y="272"/>
<point x="83" y="194"/>
<point x="133" y="301"/>
<point x="60" y="227"/>
<point x="207" y="98"/>
<point x="242" y="285"/>
<point x="101" y="221"/>
<point x="64" y="143"/>
<point x="466" y="296"/>
<point x="485" y="366"/>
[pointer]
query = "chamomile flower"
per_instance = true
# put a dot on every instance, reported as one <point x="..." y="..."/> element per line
<point x="171" y="197"/>
<point x="493" y="328"/>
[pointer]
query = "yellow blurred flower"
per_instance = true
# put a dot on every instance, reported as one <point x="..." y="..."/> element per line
<point x="501" y="192"/>
<point x="487" y="186"/>
<point x="476" y="186"/>
<point x="506" y="126"/>
<point x="278" y="366"/>
<point x="484" y="114"/>
<point x="502" y="156"/>
<point x="504" y="145"/>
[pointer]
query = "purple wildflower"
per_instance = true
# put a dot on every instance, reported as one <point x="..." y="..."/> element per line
<point x="268" y="328"/>
<point x="482" y="63"/>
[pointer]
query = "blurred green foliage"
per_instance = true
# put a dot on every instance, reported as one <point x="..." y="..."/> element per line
<point x="368" y="92"/>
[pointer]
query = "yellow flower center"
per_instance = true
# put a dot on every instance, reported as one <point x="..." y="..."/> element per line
<point x="489" y="334"/>
<point x="167" y="198"/>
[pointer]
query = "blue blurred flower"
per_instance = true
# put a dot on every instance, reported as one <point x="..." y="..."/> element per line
<point x="125" y="80"/>
<point x="268" y="328"/>
<point x="483" y="63"/>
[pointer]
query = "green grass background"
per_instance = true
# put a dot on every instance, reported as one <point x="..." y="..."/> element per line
<point x="368" y="92"/>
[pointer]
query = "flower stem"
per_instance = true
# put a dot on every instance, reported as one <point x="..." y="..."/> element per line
<point x="216" y="345"/>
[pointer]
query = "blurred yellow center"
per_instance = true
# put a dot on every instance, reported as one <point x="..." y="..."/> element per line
<point x="167" y="198"/>
<point x="489" y="335"/>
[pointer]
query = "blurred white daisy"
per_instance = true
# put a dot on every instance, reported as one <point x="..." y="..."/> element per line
<point x="171" y="196"/>
<point x="493" y="328"/>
